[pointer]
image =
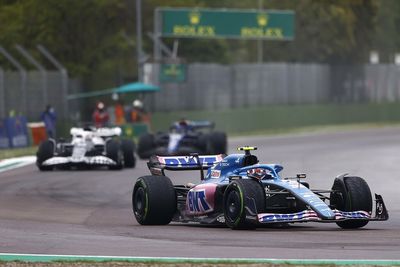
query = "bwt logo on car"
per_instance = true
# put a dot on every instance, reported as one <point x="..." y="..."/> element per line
<point x="197" y="201"/>
<point x="190" y="160"/>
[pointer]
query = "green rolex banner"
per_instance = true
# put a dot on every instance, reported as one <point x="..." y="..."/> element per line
<point x="228" y="23"/>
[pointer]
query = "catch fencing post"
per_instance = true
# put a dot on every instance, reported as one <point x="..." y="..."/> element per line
<point x="2" y="96"/>
<point x="64" y="76"/>
<point x="41" y="69"/>
<point x="22" y="73"/>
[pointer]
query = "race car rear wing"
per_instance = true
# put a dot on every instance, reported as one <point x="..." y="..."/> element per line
<point x="202" y="124"/>
<point x="193" y="125"/>
<point x="157" y="164"/>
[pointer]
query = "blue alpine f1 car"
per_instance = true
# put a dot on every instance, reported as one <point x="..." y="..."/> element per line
<point x="243" y="194"/>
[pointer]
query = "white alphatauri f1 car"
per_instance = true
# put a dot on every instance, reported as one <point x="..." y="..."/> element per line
<point x="89" y="147"/>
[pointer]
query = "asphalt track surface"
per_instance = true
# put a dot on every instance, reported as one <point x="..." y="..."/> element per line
<point x="89" y="212"/>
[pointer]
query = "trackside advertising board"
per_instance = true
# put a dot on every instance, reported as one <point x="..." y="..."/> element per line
<point x="172" y="73"/>
<point x="15" y="129"/>
<point x="4" y="140"/>
<point x="228" y="23"/>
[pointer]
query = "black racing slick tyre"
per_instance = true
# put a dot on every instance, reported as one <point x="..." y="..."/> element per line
<point x="203" y="143"/>
<point x="45" y="151"/>
<point x="146" y="146"/>
<point x="114" y="152"/>
<point x="351" y="193"/>
<point x="128" y="150"/>
<point x="154" y="200"/>
<point x="236" y="196"/>
<point x="217" y="143"/>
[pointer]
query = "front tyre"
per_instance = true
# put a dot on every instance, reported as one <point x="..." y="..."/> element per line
<point x="236" y="195"/>
<point x="217" y="143"/>
<point x="352" y="194"/>
<point x="114" y="152"/>
<point x="45" y="151"/>
<point x="153" y="200"/>
<point x="146" y="146"/>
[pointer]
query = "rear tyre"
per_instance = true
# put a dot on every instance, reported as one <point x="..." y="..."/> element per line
<point x="153" y="200"/>
<point x="45" y="151"/>
<point x="114" y="152"/>
<point x="217" y="143"/>
<point x="203" y="143"/>
<point x="146" y="146"/>
<point x="235" y="197"/>
<point x="353" y="195"/>
<point x="128" y="150"/>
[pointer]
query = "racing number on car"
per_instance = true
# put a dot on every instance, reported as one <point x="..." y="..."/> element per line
<point x="197" y="201"/>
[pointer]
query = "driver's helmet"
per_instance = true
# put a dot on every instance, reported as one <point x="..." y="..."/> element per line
<point x="88" y="128"/>
<point x="100" y="105"/>
<point x="258" y="173"/>
<point x="183" y="123"/>
<point x="137" y="104"/>
<point x="180" y="126"/>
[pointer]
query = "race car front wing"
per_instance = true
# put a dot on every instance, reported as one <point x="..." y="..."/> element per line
<point x="310" y="215"/>
<point x="95" y="160"/>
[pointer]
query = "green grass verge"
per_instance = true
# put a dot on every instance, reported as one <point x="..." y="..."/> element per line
<point x="166" y="261"/>
<point x="317" y="129"/>
<point x="17" y="152"/>
<point x="285" y="118"/>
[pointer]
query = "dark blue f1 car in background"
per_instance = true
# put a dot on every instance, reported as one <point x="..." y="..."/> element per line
<point x="243" y="194"/>
<point x="184" y="137"/>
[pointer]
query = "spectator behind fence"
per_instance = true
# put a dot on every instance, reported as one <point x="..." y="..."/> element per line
<point x="100" y="116"/>
<point x="119" y="113"/>
<point x="49" y="118"/>
<point x="138" y="113"/>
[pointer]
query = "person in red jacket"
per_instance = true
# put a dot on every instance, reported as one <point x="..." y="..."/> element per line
<point x="100" y="115"/>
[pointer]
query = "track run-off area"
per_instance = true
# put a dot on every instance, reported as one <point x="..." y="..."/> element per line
<point x="89" y="212"/>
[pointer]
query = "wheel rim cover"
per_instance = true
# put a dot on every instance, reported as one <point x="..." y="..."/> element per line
<point x="139" y="202"/>
<point x="233" y="205"/>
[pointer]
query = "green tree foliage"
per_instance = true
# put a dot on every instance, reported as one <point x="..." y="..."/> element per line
<point x="339" y="31"/>
<point x="95" y="38"/>
<point x="85" y="35"/>
<point x="387" y="39"/>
